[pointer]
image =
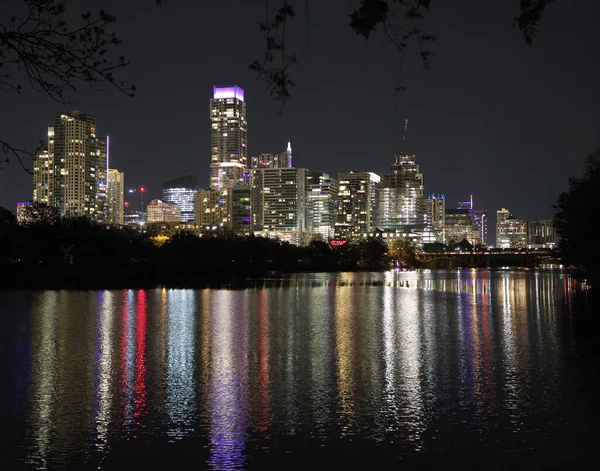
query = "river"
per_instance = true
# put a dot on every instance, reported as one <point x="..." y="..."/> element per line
<point x="463" y="368"/>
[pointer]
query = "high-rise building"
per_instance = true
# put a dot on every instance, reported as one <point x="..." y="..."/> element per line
<point x="281" y="160"/>
<point x="321" y="205"/>
<point x="181" y="192"/>
<point x="74" y="168"/>
<point x="358" y="199"/>
<point x="401" y="205"/>
<point x="115" y="199"/>
<point x="210" y="209"/>
<point x="458" y="225"/>
<point x="161" y="211"/>
<point x="510" y="231"/>
<point x="43" y="173"/>
<point x="279" y="203"/>
<point x="239" y="209"/>
<point x="541" y="234"/>
<point x="229" y="152"/>
<point x="436" y="208"/>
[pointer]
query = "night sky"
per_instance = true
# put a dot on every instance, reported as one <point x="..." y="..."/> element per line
<point x="494" y="117"/>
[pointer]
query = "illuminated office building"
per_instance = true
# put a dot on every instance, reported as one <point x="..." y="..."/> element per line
<point x="401" y="206"/>
<point x="282" y="160"/>
<point x="436" y="208"/>
<point x="510" y="231"/>
<point x="541" y="234"/>
<point x="279" y="203"/>
<point x="115" y="199"/>
<point x="321" y="205"/>
<point x="229" y="153"/>
<point x="358" y="198"/>
<point x="181" y="192"/>
<point x="72" y="174"/>
<point x="43" y="173"/>
<point x="162" y="211"/>
<point x="210" y="209"/>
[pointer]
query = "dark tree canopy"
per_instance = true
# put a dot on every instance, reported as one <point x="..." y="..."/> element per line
<point x="576" y="210"/>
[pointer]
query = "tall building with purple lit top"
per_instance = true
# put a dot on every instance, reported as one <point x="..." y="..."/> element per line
<point x="229" y="151"/>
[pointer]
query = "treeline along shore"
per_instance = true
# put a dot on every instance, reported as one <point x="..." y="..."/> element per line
<point x="69" y="252"/>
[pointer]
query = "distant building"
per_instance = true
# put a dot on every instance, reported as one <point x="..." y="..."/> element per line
<point x="510" y="231"/>
<point x="541" y="234"/>
<point x="181" y="191"/>
<point x="321" y="205"/>
<point x="210" y="209"/>
<point x="279" y="203"/>
<point x="358" y="200"/>
<point x="458" y="225"/>
<point x="116" y="195"/>
<point x="43" y="173"/>
<point x="435" y="206"/>
<point x="401" y="205"/>
<point x="229" y="138"/>
<point x="282" y="160"/>
<point x="72" y="174"/>
<point x="161" y="211"/>
<point x="239" y="209"/>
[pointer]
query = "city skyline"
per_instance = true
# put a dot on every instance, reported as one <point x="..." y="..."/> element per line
<point x="484" y="127"/>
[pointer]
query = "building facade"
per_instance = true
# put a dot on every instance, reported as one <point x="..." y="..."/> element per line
<point x="281" y="160"/>
<point x="161" y="211"/>
<point x="181" y="191"/>
<point x="358" y="199"/>
<point x="116" y="195"/>
<point x="510" y="231"/>
<point x="321" y="205"/>
<point x="401" y="206"/>
<point x="435" y="206"/>
<point x="229" y="138"/>
<point x="78" y="160"/>
<point x="43" y="173"/>
<point x="279" y="203"/>
<point x="210" y="209"/>
<point x="541" y="234"/>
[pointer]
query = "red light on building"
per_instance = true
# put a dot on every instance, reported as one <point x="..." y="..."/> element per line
<point x="142" y="189"/>
<point x="338" y="243"/>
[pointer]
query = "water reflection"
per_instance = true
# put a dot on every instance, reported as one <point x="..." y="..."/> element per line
<point x="228" y="382"/>
<point x="417" y="361"/>
<point x="181" y="401"/>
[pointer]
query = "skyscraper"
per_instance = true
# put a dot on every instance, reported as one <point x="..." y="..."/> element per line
<point x="229" y="152"/>
<point x="116" y="191"/>
<point x="358" y="199"/>
<point x="181" y="192"/>
<point x="401" y="200"/>
<point x="279" y="203"/>
<point x="436" y="207"/>
<point x="74" y="168"/>
<point x="321" y="205"/>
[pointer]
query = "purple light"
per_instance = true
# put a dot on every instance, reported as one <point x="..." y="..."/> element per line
<point x="228" y="92"/>
<point x="246" y="219"/>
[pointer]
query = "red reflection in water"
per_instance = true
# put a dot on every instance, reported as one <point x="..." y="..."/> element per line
<point x="139" y="410"/>
<point x="263" y="374"/>
<point x="125" y="366"/>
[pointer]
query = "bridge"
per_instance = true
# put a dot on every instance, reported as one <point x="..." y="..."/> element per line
<point x="529" y="258"/>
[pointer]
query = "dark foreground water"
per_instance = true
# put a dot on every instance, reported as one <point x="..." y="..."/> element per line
<point x="447" y="369"/>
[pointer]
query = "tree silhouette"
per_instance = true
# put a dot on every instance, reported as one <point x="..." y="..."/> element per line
<point x="402" y="22"/>
<point x="575" y="211"/>
<point x="41" y="49"/>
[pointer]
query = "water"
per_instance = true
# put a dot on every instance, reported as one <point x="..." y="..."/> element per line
<point x="468" y="369"/>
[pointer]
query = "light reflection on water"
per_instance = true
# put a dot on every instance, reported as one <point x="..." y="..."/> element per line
<point x="423" y="364"/>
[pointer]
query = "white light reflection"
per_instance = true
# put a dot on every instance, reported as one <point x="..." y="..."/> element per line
<point x="181" y="399"/>
<point x="228" y="395"/>
<point x="44" y="347"/>
<point x="105" y="369"/>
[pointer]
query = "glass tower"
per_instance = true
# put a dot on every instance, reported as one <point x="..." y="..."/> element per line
<point x="229" y="152"/>
<point x="181" y="192"/>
